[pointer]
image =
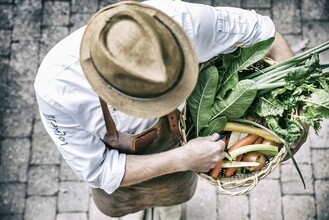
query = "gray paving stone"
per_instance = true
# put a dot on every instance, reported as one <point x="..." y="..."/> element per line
<point x="43" y="180"/>
<point x="50" y="36"/>
<point x="78" y="20"/>
<point x="256" y="3"/>
<point x="322" y="199"/>
<point x="15" y="155"/>
<point x="287" y="24"/>
<point x="40" y="208"/>
<point x="206" y="2"/>
<point x="265" y="200"/>
<point x="12" y="198"/>
<point x="275" y="174"/>
<point x="84" y="6"/>
<point x="320" y="140"/>
<point x="292" y="183"/>
<point x="73" y="197"/>
<point x="264" y="11"/>
<point x="299" y="207"/>
<point x="71" y="216"/>
<point x="17" y="123"/>
<point x="5" y="39"/>
<point x="304" y="153"/>
<point x="56" y="13"/>
<point x="320" y="163"/>
<point x="27" y="20"/>
<point x="204" y="199"/>
<point x="4" y="68"/>
<point x="6" y="16"/>
<point x="316" y="31"/>
<point x="227" y="212"/>
<point x="66" y="173"/>
<point x="138" y="216"/>
<point x="23" y="53"/>
<point x="44" y="150"/>
<point x="20" y="95"/>
<point x="95" y="214"/>
<point x="28" y="4"/>
<point x="6" y="1"/>
<point x="11" y="217"/>
<point x="296" y="42"/>
<point x="229" y="3"/>
<point x="104" y="3"/>
<point x="315" y="9"/>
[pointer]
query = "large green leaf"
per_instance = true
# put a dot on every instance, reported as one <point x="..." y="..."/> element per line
<point x="237" y="101"/>
<point x="202" y="98"/>
<point x="269" y="106"/>
<point x="216" y="125"/>
<point x="234" y="63"/>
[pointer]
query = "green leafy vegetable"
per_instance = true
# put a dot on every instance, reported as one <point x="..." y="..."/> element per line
<point x="237" y="101"/>
<point x="202" y="98"/>
<point x="240" y="60"/>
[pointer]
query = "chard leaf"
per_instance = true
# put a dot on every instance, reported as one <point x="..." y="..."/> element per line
<point x="229" y="76"/>
<point x="305" y="74"/>
<point x="216" y="125"/>
<point x="202" y="98"/>
<point x="237" y="101"/>
<point x="324" y="83"/>
<point x="273" y="124"/>
<point x="269" y="106"/>
<point x="243" y="59"/>
<point x="317" y="106"/>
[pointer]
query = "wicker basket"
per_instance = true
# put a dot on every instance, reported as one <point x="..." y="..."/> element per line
<point x="239" y="183"/>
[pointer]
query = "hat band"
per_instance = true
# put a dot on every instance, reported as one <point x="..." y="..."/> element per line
<point x="125" y="93"/>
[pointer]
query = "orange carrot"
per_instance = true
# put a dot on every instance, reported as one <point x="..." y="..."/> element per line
<point x="215" y="171"/>
<point x="249" y="139"/>
<point x="259" y="140"/>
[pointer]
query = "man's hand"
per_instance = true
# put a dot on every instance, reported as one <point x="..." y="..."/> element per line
<point x="203" y="153"/>
<point x="200" y="155"/>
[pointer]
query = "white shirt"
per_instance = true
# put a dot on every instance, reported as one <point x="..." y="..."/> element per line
<point x="70" y="109"/>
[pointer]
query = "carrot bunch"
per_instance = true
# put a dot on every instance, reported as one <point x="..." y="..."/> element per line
<point x="251" y="148"/>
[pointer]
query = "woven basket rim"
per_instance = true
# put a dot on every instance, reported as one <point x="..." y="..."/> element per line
<point x="238" y="184"/>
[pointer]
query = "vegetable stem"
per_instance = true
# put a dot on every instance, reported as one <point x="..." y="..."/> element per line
<point x="270" y="85"/>
<point x="264" y="148"/>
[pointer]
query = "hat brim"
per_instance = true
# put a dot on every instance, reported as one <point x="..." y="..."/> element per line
<point x="140" y="107"/>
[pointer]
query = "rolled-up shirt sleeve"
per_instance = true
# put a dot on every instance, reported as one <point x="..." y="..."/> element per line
<point x="217" y="30"/>
<point x="228" y="29"/>
<point x="85" y="153"/>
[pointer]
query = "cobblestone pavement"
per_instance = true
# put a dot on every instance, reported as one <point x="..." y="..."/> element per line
<point x="35" y="183"/>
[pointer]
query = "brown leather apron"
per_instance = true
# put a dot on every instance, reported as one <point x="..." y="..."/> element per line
<point x="166" y="190"/>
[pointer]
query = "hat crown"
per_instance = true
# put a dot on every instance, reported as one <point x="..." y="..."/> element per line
<point x="137" y="55"/>
<point x="138" y="59"/>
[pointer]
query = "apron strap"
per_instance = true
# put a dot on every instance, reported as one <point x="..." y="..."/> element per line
<point x="173" y="123"/>
<point x="112" y="133"/>
<point x="110" y="125"/>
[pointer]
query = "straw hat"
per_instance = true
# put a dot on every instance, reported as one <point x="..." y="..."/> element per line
<point x="138" y="59"/>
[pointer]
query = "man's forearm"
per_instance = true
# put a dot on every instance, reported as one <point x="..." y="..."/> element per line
<point x="200" y="155"/>
<point x="143" y="167"/>
<point x="280" y="49"/>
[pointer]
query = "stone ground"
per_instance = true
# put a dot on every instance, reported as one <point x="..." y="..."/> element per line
<point x="35" y="183"/>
